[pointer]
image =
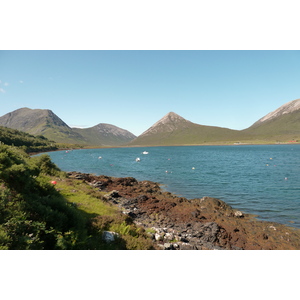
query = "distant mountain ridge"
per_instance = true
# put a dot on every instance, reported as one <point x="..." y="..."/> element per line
<point x="105" y="134"/>
<point x="31" y="120"/>
<point x="286" y="108"/>
<point x="281" y="125"/>
<point x="40" y="122"/>
<point x="45" y="122"/>
<point x="173" y="129"/>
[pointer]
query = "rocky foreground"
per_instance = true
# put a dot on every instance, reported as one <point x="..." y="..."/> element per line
<point x="177" y="223"/>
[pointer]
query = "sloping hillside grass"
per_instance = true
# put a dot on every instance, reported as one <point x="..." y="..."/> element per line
<point x="105" y="135"/>
<point x="193" y="134"/>
<point x="283" y="128"/>
<point x="37" y="214"/>
<point x="27" y="142"/>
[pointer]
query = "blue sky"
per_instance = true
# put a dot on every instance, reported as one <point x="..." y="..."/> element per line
<point x="134" y="89"/>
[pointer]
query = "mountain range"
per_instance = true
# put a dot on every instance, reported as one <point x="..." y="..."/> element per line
<point x="172" y="129"/>
<point x="44" y="122"/>
<point x="281" y="125"/>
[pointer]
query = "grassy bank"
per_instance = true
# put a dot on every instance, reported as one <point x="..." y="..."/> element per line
<point x="38" y="214"/>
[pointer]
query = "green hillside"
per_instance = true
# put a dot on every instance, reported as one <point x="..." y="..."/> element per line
<point x="62" y="135"/>
<point x="283" y="128"/>
<point x="281" y="125"/>
<point x="41" y="122"/>
<point x="175" y="130"/>
<point x="27" y="142"/>
<point x="192" y="135"/>
<point x="41" y="208"/>
<point x="44" y="122"/>
<point x="105" y="135"/>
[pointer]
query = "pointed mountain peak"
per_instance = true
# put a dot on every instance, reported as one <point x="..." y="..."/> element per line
<point x="172" y="116"/>
<point x="168" y="123"/>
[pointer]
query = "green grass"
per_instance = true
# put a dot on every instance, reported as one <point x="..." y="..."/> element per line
<point x="80" y="193"/>
<point x="70" y="215"/>
<point x="102" y="216"/>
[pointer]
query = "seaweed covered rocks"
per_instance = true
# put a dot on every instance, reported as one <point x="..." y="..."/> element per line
<point x="176" y="223"/>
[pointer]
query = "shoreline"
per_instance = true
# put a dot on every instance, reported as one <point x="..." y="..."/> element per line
<point x="176" y="223"/>
<point x="162" y="184"/>
<point x="179" y="145"/>
<point x="179" y="194"/>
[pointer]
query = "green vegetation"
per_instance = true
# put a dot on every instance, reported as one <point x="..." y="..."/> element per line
<point x="35" y="213"/>
<point x="27" y="142"/>
<point x="281" y="129"/>
<point x="44" y="122"/>
<point x="183" y="132"/>
<point x="105" y="134"/>
<point x="171" y="130"/>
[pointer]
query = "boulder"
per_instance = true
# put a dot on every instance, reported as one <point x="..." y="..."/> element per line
<point x="168" y="246"/>
<point x="111" y="195"/>
<point x="98" y="184"/>
<point x="109" y="236"/>
<point x="142" y="198"/>
<point x="126" y="181"/>
<point x="186" y="246"/>
<point x="211" y="231"/>
<point x="159" y="237"/>
<point x="169" y="236"/>
<point x="214" y="203"/>
<point x="195" y="213"/>
<point x="78" y="175"/>
<point x="238" y="214"/>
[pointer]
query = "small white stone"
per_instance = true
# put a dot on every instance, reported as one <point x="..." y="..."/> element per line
<point x="238" y="214"/>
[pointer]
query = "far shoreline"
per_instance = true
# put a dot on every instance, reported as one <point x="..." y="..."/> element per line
<point x="151" y="146"/>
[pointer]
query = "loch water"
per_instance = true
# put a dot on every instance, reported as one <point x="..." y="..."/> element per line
<point x="263" y="180"/>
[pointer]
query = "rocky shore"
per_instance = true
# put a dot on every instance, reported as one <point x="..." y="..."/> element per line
<point x="176" y="223"/>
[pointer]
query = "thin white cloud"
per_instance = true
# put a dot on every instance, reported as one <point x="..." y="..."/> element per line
<point x="2" y="90"/>
<point x="21" y="81"/>
<point x="79" y="126"/>
<point x="6" y="84"/>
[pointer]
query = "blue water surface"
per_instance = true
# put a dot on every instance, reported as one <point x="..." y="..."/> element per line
<point x="258" y="179"/>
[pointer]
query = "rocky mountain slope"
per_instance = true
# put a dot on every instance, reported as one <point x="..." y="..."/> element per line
<point x="30" y="121"/>
<point x="282" y="124"/>
<point x="286" y="108"/>
<point x="40" y="122"/>
<point x="105" y="134"/>
<point x="44" y="122"/>
<point x="172" y="129"/>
